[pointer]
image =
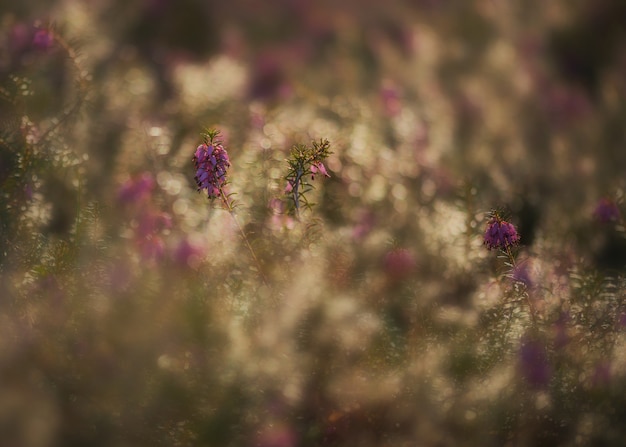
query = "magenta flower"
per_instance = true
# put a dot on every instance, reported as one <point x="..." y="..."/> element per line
<point x="211" y="163"/>
<point x="500" y="234"/>
<point x="188" y="253"/>
<point x="43" y="39"/>
<point x="136" y="190"/>
<point x="318" y="168"/>
<point x="399" y="264"/>
<point x="606" y="211"/>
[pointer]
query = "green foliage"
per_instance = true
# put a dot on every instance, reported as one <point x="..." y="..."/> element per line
<point x="302" y="162"/>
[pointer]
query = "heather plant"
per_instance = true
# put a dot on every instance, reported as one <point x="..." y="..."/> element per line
<point x="304" y="161"/>
<point x="503" y="235"/>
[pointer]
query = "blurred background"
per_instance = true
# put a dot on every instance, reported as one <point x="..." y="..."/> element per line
<point x="132" y="313"/>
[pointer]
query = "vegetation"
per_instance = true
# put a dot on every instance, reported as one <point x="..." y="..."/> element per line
<point x="401" y="226"/>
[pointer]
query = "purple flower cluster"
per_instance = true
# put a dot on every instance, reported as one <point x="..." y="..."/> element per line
<point x="500" y="234"/>
<point x="211" y="162"/>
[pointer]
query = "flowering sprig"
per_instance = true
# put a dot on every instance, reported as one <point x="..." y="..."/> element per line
<point x="211" y="162"/>
<point x="503" y="235"/>
<point x="305" y="161"/>
<point x="607" y="211"/>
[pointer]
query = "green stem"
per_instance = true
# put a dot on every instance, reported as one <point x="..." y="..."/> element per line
<point x="231" y="210"/>
<point x="295" y="188"/>
<point x="525" y="292"/>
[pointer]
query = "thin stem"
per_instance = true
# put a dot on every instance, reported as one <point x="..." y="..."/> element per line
<point x="231" y="210"/>
<point x="295" y="187"/>
<point x="514" y="266"/>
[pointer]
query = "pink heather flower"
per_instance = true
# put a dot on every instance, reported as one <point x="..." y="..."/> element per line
<point x="43" y="39"/>
<point x="211" y="163"/>
<point x="279" y="220"/>
<point x="289" y="187"/>
<point x="136" y="189"/>
<point x="399" y="264"/>
<point x="364" y="225"/>
<point x="500" y="234"/>
<point x="318" y="168"/>
<point x="606" y="211"/>
<point x="188" y="253"/>
<point x="151" y="223"/>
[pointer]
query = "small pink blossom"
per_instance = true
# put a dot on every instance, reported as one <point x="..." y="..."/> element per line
<point x="364" y="225"/>
<point x="390" y="98"/>
<point x="399" y="264"/>
<point x="43" y="39"/>
<point x="289" y="187"/>
<point x="151" y="222"/>
<point x="137" y="189"/>
<point x="188" y="253"/>
<point x="318" y="168"/>
<point x="606" y="211"/>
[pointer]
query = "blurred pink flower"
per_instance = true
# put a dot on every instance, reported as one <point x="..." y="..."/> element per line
<point x="364" y="225"/>
<point x="151" y="222"/>
<point x="606" y="211"/>
<point x="399" y="264"/>
<point x="289" y="187"/>
<point x="43" y="39"/>
<point x="137" y="189"/>
<point x="278" y="219"/>
<point x="390" y="98"/>
<point x="188" y="253"/>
